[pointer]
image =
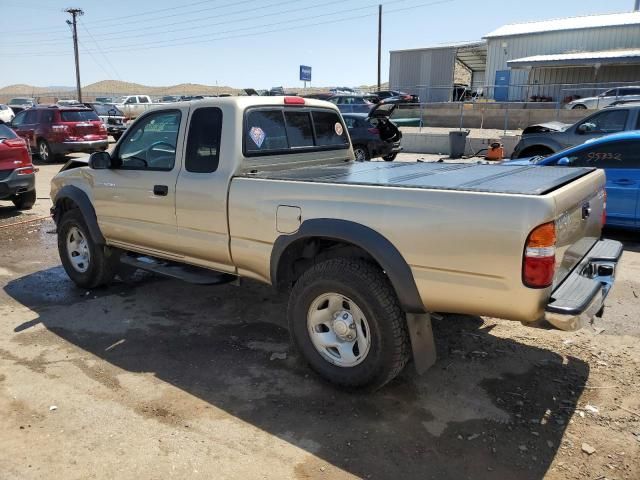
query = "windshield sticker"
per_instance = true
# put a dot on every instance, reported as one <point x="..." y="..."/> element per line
<point x="257" y="135"/>
<point x="338" y="128"/>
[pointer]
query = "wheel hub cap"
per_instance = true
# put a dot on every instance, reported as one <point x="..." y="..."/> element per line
<point x="338" y="330"/>
<point x="78" y="250"/>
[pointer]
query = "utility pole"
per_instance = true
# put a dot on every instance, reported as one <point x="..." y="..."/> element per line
<point x="76" y="12"/>
<point x="380" y="42"/>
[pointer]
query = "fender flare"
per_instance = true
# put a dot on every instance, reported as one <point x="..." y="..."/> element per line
<point x="549" y="143"/>
<point x="81" y="199"/>
<point x="372" y="242"/>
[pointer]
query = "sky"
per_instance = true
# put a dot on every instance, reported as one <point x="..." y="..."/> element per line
<point x="245" y="43"/>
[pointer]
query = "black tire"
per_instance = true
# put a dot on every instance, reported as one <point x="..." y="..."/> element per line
<point x="102" y="263"/>
<point x="44" y="151"/>
<point x="116" y="136"/>
<point x="579" y="107"/>
<point x="535" y="151"/>
<point x="361" y="153"/>
<point x="390" y="158"/>
<point x="367" y="286"/>
<point x="25" y="201"/>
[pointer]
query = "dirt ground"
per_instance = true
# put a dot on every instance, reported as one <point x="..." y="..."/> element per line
<point x="158" y="379"/>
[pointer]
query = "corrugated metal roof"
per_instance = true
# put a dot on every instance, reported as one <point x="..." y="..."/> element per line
<point x="572" y="23"/>
<point x="477" y="43"/>
<point x="631" y="55"/>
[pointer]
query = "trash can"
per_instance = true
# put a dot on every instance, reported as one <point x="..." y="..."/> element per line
<point x="457" y="143"/>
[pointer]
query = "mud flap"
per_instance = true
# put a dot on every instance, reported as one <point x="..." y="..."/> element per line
<point x="422" y="342"/>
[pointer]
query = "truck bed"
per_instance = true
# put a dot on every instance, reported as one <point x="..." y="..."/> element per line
<point x="522" y="180"/>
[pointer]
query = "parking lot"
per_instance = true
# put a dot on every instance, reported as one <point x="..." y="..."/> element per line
<point x="154" y="378"/>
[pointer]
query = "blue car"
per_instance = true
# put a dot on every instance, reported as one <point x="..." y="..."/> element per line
<point x="619" y="156"/>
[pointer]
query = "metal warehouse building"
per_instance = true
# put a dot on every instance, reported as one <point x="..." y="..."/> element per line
<point x="553" y="59"/>
<point x="430" y="72"/>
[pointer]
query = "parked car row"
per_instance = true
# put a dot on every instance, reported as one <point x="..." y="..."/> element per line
<point x="55" y="130"/>
<point x="17" y="173"/>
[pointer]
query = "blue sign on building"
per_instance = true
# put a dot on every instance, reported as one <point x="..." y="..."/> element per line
<point x="305" y="73"/>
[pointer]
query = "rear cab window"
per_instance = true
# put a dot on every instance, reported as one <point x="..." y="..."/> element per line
<point x="282" y="130"/>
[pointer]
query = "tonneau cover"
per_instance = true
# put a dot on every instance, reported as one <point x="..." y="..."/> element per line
<point x="514" y="179"/>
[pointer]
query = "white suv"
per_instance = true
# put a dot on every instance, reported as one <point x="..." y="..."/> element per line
<point x="610" y="97"/>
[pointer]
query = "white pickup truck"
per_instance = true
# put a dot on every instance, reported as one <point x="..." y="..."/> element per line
<point x="134" y="105"/>
<point x="267" y="188"/>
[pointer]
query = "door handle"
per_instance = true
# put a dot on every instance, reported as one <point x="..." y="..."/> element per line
<point x="161" y="190"/>
<point x="624" y="181"/>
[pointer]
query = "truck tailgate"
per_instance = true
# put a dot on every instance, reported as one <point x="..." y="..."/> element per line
<point x="511" y="179"/>
<point x="579" y="221"/>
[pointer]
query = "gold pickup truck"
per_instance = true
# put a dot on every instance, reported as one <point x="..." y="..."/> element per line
<point x="268" y="189"/>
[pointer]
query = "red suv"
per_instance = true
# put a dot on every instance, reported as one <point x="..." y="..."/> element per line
<point x="17" y="175"/>
<point x="53" y="130"/>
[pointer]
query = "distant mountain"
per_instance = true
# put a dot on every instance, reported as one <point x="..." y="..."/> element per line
<point x="118" y="87"/>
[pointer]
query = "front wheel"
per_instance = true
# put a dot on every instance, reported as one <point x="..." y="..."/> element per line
<point x="579" y="107"/>
<point x="390" y="158"/>
<point x="345" y="319"/>
<point x="89" y="265"/>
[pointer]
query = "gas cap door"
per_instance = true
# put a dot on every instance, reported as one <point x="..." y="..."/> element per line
<point x="288" y="219"/>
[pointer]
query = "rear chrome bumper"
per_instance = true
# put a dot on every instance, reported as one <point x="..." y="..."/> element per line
<point x="580" y="297"/>
<point x="88" y="146"/>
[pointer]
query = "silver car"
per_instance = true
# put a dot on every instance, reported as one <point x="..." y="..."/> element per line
<point x="613" y="96"/>
<point x="547" y="138"/>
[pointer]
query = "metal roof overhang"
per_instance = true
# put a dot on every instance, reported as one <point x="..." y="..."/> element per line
<point x="471" y="54"/>
<point x="580" y="59"/>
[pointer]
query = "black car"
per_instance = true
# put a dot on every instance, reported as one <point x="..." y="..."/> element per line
<point x="373" y="134"/>
<point x="112" y="117"/>
<point x="395" y="96"/>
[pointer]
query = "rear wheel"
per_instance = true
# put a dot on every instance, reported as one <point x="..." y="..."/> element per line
<point x="345" y="319"/>
<point x="89" y="265"/>
<point x="579" y="107"/>
<point x="361" y="153"/>
<point x="390" y="158"/>
<point x="25" y="201"/>
<point x="44" y="151"/>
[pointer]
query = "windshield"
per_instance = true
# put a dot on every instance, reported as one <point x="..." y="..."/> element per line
<point x="6" y="132"/>
<point x="78" y="116"/>
<point x="19" y="101"/>
<point x="107" y="109"/>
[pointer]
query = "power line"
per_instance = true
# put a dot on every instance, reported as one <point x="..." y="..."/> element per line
<point x="101" y="51"/>
<point x="148" y="14"/>
<point x="171" y="42"/>
<point x="162" y="31"/>
<point x="155" y="45"/>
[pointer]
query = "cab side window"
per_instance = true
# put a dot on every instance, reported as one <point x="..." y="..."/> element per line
<point x="150" y="144"/>
<point x="203" y="143"/>
<point x="607" y="122"/>
<point x="31" y="117"/>
<point x="611" y="155"/>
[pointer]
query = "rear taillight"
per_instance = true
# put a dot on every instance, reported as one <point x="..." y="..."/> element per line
<point x="539" y="263"/>
<point x="603" y="219"/>
<point x="25" y="171"/>
<point x="14" y="142"/>
<point x="102" y="128"/>
<point x="375" y="131"/>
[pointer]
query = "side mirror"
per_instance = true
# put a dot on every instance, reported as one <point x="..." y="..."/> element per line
<point x="564" y="162"/>
<point x="100" y="160"/>
<point x="585" y="128"/>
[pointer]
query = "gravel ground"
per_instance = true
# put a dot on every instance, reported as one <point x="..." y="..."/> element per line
<point x="159" y="379"/>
